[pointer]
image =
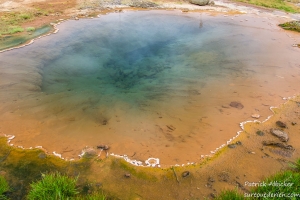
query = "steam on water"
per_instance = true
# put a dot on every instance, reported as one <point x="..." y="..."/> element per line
<point x="155" y="83"/>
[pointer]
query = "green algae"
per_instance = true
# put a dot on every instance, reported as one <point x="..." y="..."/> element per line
<point x="292" y="25"/>
<point x="9" y="41"/>
<point x="140" y="173"/>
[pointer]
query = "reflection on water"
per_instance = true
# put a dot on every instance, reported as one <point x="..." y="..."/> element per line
<point x="149" y="84"/>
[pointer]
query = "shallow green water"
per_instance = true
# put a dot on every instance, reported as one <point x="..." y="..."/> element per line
<point x="149" y="83"/>
<point x="11" y="41"/>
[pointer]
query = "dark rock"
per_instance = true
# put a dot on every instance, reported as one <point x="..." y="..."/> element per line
<point x="231" y="146"/>
<point x="281" y="124"/>
<point x="294" y="123"/>
<point x="200" y="2"/>
<point x="127" y="175"/>
<point x="260" y="133"/>
<point x="104" y="122"/>
<point x="283" y="136"/>
<point x="185" y="174"/>
<point x="103" y="147"/>
<point x="236" y="104"/>
<point x="212" y="195"/>
<point x="278" y="144"/>
<point x="238" y="143"/>
<point x="279" y="148"/>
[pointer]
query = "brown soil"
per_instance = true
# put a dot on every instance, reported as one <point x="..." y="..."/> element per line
<point x="57" y="9"/>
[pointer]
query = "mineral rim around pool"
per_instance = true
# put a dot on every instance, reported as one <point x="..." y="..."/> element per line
<point x="148" y="84"/>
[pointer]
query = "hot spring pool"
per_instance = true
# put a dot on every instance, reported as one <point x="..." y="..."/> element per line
<point x="147" y="83"/>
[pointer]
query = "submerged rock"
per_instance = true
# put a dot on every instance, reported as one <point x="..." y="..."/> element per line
<point x="281" y="124"/>
<point x="279" y="148"/>
<point x="236" y="104"/>
<point x="260" y="133"/>
<point x="103" y="147"/>
<point x="278" y="144"/>
<point x="283" y="136"/>
<point x="231" y="146"/>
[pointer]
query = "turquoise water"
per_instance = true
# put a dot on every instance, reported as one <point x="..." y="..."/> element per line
<point x="130" y="58"/>
<point x="157" y="83"/>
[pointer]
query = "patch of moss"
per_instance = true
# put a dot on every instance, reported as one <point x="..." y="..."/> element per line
<point x="293" y="26"/>
<point x="3" y="187"/>
<point x="26" y="166"/>
<point x="275" y="4"/>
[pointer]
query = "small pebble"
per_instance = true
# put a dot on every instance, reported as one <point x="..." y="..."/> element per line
<point x="231" y="146"/>
<point x="281" y="124"/>
<point x="127" y="175"/>
<point x="104" y="147"/>
<point x="256" y="116"/>
<point x="260" y="133"/>
<point x="185" y="174"/>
